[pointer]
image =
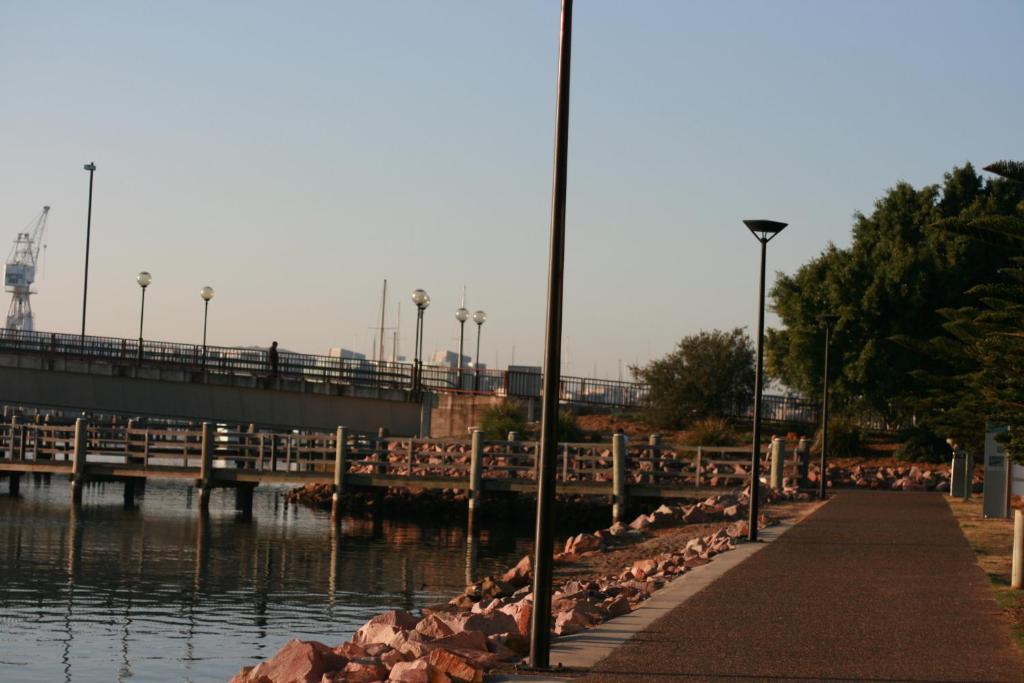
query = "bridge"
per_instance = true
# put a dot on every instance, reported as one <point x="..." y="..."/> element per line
<point x="210" y="457"/>
<point x="237" y="385"/>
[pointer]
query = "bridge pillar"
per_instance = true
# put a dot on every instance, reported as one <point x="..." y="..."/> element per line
<point x="778" y="458"/>
<point x="14" y="484"/>
<point x="619" y="502"/>
<point x="78" y="457"/>
<point x="129" y="493"/>
<point x="476" y="462"/>
<point x="206" y="467"/>
<point x="243" y="499"/>
<point x="340" y="446"/>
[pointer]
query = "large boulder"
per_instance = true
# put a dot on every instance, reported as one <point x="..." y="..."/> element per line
<point x="521" y="612"/>
<point x="488" y="624"/>
<point x="416" y="671"/>
<point x="299" y="661"/>
<point x="383" y="627"/>
<point x="520" y="574"/>
<point x="459" y="669"/>
<point x="582" y="543"/>
<point x="365" y="670"/>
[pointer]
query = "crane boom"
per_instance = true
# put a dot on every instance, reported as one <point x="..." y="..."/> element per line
<point x="20" y="272"/>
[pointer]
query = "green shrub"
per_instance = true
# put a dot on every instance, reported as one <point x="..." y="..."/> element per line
<point x="920" y="444"/>
<point x="502" y="418"/>
<point x="845" y="439"/>
<point x="712" y="431"/>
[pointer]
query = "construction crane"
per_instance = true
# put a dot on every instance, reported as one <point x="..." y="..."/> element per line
<point x="20" y="272"/>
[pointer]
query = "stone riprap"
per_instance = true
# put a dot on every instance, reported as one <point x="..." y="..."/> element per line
<point x="488" y="625"/>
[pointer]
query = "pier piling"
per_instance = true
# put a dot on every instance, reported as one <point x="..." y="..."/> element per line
<point x="619" y="502"/>
<point x="78" y="460"/>
<point x="340" y="447"/>
<point x="205" y="467"/>
<point x="476" y="459"/>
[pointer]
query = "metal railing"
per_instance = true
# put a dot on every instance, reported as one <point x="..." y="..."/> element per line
<point x="516" y="383"/>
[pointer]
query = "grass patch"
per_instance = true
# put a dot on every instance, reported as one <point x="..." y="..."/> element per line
<point x="992" y="542"/>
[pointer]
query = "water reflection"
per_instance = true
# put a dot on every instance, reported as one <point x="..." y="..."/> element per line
<point x="161" y="593"/>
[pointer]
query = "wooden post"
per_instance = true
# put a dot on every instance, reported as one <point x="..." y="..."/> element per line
<point x="1017" y="577"/>
<point x="513" y="453"/>
<point x="619" y="501"/>
<point x="243" y="499"/>
<point x="698" y="462"/>
<point x="476" y="462"/>
<point x="78" y="457"/>
<point x="14" y="482"/>
<point x="654" y="441"/>
<point x="273" y="452"/>
<point x="409" y="456"/>
<point x="340" y="447"/>
<point x="205" y="467"/>
<point x="129" y="493"/>
<point x="15" y="446"/>
<point x="565" y="462"/>
<point x="804" y="460"/>
<point x="778" y="458"/>
<point x="382" y="452"/>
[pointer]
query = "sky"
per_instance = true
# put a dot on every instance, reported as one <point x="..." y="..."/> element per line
<point x="294" y="155"/>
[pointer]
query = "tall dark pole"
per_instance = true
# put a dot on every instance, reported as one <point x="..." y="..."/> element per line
<point x="206" y="313"/>
<point x="764" y="231"/>
<point x="828" y="321"/>
<point x="540" y="631"/>
<point x="142" y="316"/>
<point x="91" y="168"/>
<point x="462" y="336"/>
<point x="418" y="350"/>
<point x="476" y="364"/>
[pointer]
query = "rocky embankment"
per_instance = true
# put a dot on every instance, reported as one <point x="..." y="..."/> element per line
<point x="488" y="625"/>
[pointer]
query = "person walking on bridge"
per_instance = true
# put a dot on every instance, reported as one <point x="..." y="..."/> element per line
<point x="272" y="357"/>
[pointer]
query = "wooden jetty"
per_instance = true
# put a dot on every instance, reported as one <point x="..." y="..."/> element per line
<point x="213" y="456"/>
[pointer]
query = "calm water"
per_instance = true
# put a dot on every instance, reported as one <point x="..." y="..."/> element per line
<point x="155" y="594"/>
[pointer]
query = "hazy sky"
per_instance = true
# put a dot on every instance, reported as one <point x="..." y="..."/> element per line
<point x="293" y="155"/>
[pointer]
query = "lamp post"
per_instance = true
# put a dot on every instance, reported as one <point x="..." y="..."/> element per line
<point x="422" y="300"/>
<point x="462" y="315"/>
<point x="828" y="320"/>
<point x="91" y="168"/>
<point x="143" y="278"/>
<point x="479" y="317"/>
<point x="764" y="231"/>
<point x="540" y="621"/>
<point x="207" y="294"/>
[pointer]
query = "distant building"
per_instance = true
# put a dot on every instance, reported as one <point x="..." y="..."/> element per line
<point x="338" y="352"/>
<point x="450" y="359"/>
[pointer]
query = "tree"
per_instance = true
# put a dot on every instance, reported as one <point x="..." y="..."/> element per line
<point x="983" y="348"/>
<point x="708" y="375"/>
<point x="890" y="288"/>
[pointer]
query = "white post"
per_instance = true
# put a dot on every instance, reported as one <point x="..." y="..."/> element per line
<point x="1017" y="577"/>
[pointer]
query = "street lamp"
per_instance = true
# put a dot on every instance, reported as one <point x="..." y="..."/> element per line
<point x="422" y="300"/>
<point x="479" y="317"/>
<point x="828" y="320"/>
<point x="540" y="621"/>
<point x="91" y="168"/>
<point x="207" y="294"/>
<point x="765" y="232"/>
<point x="143" y="278"/>
<point x="462" y="315"/>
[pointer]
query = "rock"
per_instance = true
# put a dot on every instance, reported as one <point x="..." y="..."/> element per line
<point x="365" y="671"/>
<point x="694" y="515"/>
<point x="466" y="640"/>
<point x="392" y="657"/>
<point x="417" y="671"/>
<point x="298" y="661"/>
<point x="433" y="627"/>
<point x="383" y="627"/>
<point x="643" y="568"/>
<point x="513" y="641"/>
<point x="617" y="606"/>
<point x="618" y="529"/>
<point x="640" y="523"/>
<point x="491" y="587"/>
<point x="488" y="624"/>
<point x="582" y="543"/>
<point x="457" y="668"/>
<point x="521" y="612"/>
<point x="520" y="574"/>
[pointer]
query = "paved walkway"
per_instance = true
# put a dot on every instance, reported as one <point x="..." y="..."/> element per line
<point x="874" y="586"/>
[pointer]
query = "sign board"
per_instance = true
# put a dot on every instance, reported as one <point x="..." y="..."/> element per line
<point x="997" y="475"/>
